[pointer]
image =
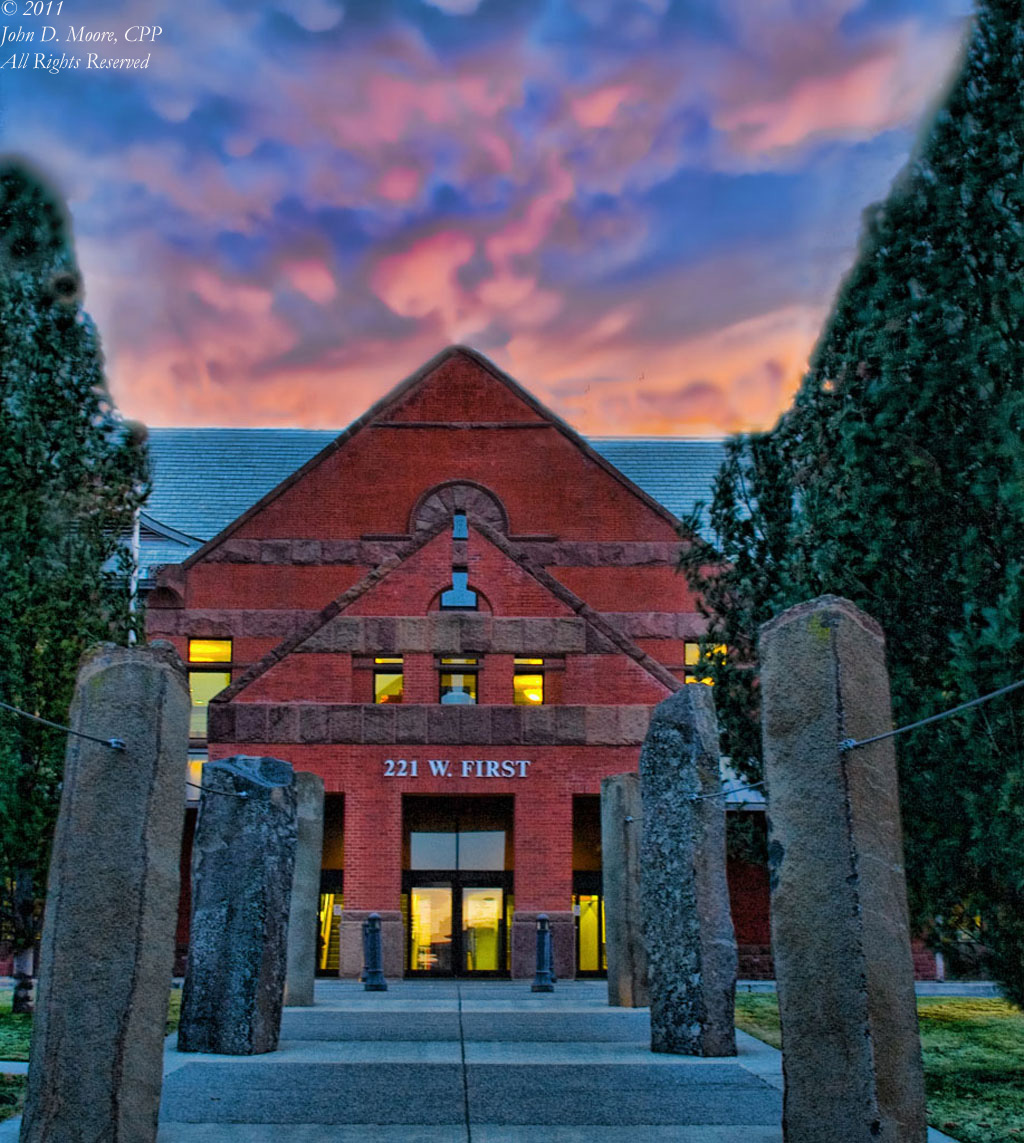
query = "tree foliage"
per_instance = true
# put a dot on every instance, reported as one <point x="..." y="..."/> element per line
<point x="897" y="480"/>
<point x="72" y="474"/>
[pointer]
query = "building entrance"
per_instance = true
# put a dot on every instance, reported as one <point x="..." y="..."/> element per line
<point x="457" y="885"/>
<point x="458" y="929"/>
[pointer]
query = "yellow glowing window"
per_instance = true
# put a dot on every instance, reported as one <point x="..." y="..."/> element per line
<point x="387" y="686"/>
<point x="203" y="685"/>
<point x="460" y="662"/>
<point x="529" y="662"/>
<point x="528" y="689"/>
<point x="209" y="650"/>
<point x="691" y="657"/>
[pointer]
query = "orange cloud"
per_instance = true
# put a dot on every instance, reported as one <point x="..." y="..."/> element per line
<point x="310" y="276"/>
<point x="598" y="108"/>
<point x="422" y="279"/>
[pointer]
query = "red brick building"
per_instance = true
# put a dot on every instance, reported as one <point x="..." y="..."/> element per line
<point x="460" y="615"/>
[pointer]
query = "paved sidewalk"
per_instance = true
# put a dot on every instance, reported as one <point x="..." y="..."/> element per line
<point x="473" y="1062"/>
<point x="489" y="1061"/>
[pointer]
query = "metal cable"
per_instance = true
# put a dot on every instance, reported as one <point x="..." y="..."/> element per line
<point x="113" y="743"/>
<point x="223" y="793"/>
<point x="723" y="793"/>
<point x="853" y="743"/>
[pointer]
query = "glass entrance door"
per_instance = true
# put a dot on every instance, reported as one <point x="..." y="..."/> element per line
<point x="430" y="929"/>
<point x="482" y="930"/>
<point x="456" y="930"/>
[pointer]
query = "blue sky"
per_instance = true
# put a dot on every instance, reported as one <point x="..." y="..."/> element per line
<point x="639" y="208"/>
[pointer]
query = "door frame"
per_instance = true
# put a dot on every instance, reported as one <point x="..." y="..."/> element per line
<point x="587" y="883"/>
<point x="458" y="880"/>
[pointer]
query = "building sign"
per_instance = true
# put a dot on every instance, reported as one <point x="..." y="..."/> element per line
<point x="466" y="768"/>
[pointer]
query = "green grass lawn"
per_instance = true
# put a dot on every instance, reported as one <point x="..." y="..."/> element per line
<point x="973" y="1062"/>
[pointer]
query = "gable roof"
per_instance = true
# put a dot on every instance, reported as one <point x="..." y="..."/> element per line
<point x="394" y="401"/>
<point x="609" y="633"/>
<point x="205" y="480"/>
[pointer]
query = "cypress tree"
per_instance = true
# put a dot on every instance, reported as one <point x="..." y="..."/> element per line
<point x="72" y="475"/>
<point x="899" y="483"/>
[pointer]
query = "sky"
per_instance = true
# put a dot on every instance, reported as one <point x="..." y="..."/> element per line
<point x="641" y="209"/>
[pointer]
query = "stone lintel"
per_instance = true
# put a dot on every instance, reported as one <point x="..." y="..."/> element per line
<point x="411" y="724"/>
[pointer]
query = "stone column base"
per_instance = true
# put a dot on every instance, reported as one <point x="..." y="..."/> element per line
<point x="350" y="942"/>
<point x="524" y="943"/>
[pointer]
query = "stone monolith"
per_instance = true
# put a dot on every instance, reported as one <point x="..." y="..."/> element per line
<point x="243" y="858"/>
<point x="111" y="906"/>
<point x="621" y="825"/>
<point x="304" y="916"/>
<point x="840" y="929"/>
<point x="691" y="946"/>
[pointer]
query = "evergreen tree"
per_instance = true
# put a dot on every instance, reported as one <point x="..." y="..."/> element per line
<point x="72" y="475"/>
<point x="899" y="483"/>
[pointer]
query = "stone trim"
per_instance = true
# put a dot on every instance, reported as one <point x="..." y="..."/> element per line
<point x="371" y="550"/>
<point x="437" y="505"/>
<point x="222" y="623"/>
<point x="367" y="552"/>
<point x="448" y="633"/>
<point x="474" y="632"/>
<point x="414" y="724"/>
<point x="659" y="624"/>
<point x="600" y="553"/>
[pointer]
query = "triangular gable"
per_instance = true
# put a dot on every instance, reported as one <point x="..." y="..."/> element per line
<point x="604" y="638"/>
<point x="457" y="380"/>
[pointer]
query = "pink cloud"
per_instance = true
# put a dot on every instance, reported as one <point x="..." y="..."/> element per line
<point x="598" y="108"/>
<point x="399" y="184"/>
<point x="859" y="101"/>
<point x="422" y="280"/>
<point x="311" y="277"/>
<point x="789" y="100"/>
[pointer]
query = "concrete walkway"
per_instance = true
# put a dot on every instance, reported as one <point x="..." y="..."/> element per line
<point x="473" y="1062"/>
<point x="483" y="1061"/>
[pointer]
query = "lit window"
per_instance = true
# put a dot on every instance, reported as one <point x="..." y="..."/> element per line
<point x="460" y="529"/>
<point x="527" y="686"/>
<point x="458" y="596"/>
<point x="203" y="685"/>
<point x="691" y="657"/>
<point x="387" y="680"/>
<point x="209" y="650"/>
<point x="459" y="686"/>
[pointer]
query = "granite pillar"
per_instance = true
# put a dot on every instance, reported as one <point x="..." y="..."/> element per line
<point x="108" y="935"/>
<point x="840" y="929"/>
<point x="691" y="947"/>
<point x="621" y="825"/>
<point x="243" y="859"/>
<point x="304" y="915"/>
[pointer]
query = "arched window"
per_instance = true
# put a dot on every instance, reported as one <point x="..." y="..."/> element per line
<point x="459" y="597"/>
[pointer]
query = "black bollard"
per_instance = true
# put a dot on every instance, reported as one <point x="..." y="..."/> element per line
<point x="373" y="956"/>
<point x="544" y="981"/>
